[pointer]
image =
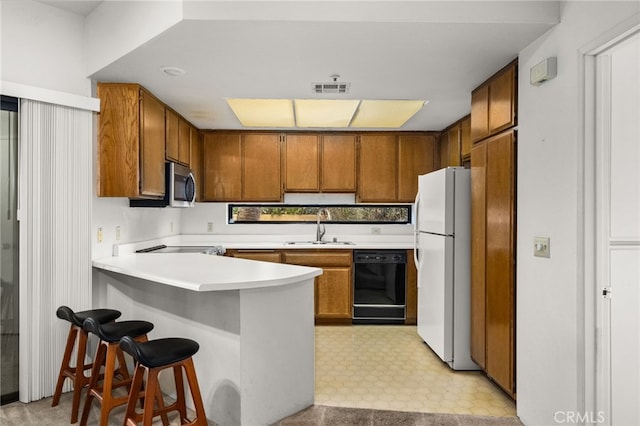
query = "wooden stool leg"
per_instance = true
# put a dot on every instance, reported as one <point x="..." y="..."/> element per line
<point x="65" y="367"/>
<point x="122" y="365"/>
<point x="134" y="395"/>
<point x="152" y="383"/>
<point x="80" y="380"/>
<point x="201" y="418"/>
<point x="107" y="386"/>
<point x="93" y="384"/>
<point x="180" y="403"/>
<point x="161" y="406"/>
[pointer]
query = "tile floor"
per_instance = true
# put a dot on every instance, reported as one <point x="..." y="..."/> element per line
<point x="391" y="368"/>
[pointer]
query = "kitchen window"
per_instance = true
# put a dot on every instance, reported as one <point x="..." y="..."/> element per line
<point x="345" y="214"/>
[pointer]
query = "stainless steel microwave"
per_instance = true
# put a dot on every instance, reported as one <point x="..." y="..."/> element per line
<point x="180" y="189"/>
<point x="181" y="186"/>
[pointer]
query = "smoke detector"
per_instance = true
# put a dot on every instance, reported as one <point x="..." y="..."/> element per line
<point x="334" y="86"/>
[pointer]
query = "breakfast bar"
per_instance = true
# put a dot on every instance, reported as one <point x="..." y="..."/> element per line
<point x="253" y="321"/>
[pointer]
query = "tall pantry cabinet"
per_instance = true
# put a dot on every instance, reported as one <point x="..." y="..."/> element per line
<point x="493" y="228"/>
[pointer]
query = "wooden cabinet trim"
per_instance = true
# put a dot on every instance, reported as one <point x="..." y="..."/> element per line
<point x="319" y="257"/>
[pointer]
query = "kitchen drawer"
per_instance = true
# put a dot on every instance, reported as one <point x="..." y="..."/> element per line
<point x="319" y="257"/>
<point x="262" y="255"/>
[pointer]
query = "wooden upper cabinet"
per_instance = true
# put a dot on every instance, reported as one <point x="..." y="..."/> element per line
<point x="465" y="137"/>
<point x="177" y="138"/>
<point x="480" y="113"/>
<point x="131" y="131"/>
<point x="171" y="120"/>
<point x="338" y="163"/>
<point x="319" y="163"/>
<point x="242" y="166"/>
<point x="197" y="157"/>
<point x="152" y="182"/>
<point x="493" y="104"/>
<point x="302" y="162"/>
<point x="502" y="98"/>
<point x="443" y="149"/>
<point x="184" y="142"/>
<point x="415" y="157"/>
<point x="377" y="168"/>
<point x="261" y="169"/>
<point x="222" y="163"/>
<point x="454" y="145"/>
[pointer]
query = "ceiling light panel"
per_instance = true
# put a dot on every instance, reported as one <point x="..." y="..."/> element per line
<point x="263" y="112"/>
<point x="385" y="113"/>
<point x="324" y="112"/>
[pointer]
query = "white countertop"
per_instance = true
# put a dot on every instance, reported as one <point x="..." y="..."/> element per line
<point x="273" y="242"/>
<point x="202" y="272"/>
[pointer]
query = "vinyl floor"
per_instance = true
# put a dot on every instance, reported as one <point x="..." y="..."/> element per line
<point x="389" y="367"/>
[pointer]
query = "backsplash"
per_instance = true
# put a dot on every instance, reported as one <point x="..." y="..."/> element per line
<point x="135" y="224"/>
<point x="141" y="224"/>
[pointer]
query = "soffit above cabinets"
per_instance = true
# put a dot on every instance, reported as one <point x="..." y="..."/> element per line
<point x="435" y="50"/>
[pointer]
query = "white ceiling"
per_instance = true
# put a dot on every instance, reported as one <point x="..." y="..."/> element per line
<point x="433" y="50"/>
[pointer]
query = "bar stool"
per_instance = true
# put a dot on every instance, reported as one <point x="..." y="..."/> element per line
<point x="151" y="358"/>
<point x="108" y="350"/>
<point x="77" y="333"/>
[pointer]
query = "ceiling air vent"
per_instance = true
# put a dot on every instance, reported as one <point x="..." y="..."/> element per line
<point x="332" y="87"/>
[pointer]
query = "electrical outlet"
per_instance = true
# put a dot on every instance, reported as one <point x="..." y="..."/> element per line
<point x="542" y="247"/>
<point x="100" y="235"/>
<point x="117" y="233"/>
<point x="209" y="226"/>
<point x="375" y="231"/>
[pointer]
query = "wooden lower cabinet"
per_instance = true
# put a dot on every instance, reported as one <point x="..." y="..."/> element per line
<point x="262" y="255"/>
<point x="411" y="316"/>
<point x="333" y="289"/>
<point x="493" y="169"/>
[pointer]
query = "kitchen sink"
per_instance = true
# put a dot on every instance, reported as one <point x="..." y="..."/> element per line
<point x="319" y="242"/>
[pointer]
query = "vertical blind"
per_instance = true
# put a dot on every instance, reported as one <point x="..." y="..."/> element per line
<point x="55" y="195"/>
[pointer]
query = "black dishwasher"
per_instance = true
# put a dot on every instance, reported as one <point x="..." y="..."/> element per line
<point x="379" y="286"/>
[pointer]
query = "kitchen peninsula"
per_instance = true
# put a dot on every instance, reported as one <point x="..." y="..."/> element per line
<point x="253" y="321"/>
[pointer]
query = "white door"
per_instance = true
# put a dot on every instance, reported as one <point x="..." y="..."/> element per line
<point x="435" y="293"/>
<point x="618" y="197"/>
<point x="435" y="213"/>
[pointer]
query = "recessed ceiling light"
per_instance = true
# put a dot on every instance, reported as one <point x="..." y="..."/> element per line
<point x="173" y="71"/>
<point x="263" y="112"/>
<point x="385" y="113"/>
<point x="324" y="112"/>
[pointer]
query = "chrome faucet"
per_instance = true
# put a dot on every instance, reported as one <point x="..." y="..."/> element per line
<point x="320" y="228"/>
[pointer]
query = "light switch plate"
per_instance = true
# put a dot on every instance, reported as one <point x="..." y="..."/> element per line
<point x="541" y="247"/>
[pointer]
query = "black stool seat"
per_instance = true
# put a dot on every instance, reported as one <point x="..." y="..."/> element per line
<point x="113" y="332"/>
<point x="77" y="318"/>
<point x="159" y="352"/>
<point x="77" y="334"/>
<point x="151" y="358"/>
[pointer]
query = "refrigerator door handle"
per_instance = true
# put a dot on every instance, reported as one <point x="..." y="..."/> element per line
<point x="416" y="233"/>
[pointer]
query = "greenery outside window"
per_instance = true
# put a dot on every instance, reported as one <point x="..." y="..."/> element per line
<point x="345" y="214"/>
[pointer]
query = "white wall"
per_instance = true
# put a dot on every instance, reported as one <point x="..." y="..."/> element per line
<point x="550" y="292"/>
<point x="42" y="46"/>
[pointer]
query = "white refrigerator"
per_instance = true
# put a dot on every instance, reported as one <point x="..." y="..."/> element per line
<point x="443" y="259"/>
